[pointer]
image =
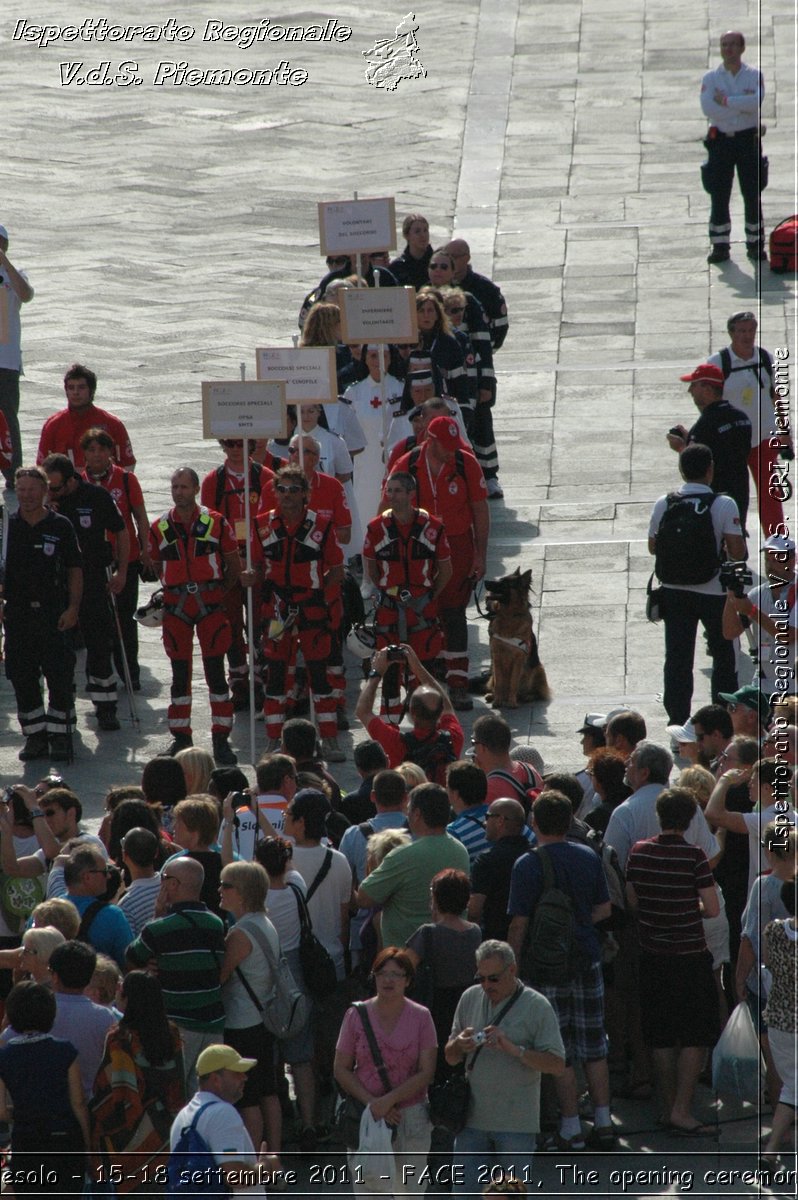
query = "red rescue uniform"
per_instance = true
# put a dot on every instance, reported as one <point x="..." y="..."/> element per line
<point x="449" y="495"/>
<point x="223" y="490"/>
<point x="191" y="561"/>
<point x="295" y="560"/>
<point x="62" y="432"/>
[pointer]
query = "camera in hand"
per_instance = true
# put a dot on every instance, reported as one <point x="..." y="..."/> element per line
<point x="395" y="654"/>
<point x="735" y="577"/>
<point x="480" y="1038"/>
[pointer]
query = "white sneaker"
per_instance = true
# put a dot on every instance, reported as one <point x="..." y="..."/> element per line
<point x="494" y="489"/>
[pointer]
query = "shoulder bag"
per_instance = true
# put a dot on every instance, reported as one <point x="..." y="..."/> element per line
<point x="348" y="1109"/>
<point x="318" y="967"/>
<point x="286" y="1010"/>
<point x="449" y="1100"/>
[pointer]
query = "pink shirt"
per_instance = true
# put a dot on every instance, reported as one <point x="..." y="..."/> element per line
<point x="401" y="1049"/>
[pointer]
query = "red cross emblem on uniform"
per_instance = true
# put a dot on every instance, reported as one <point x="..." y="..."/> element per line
<point x="376" y="402"/>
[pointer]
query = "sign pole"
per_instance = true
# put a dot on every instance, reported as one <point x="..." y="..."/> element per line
<point x="248" y="591"/>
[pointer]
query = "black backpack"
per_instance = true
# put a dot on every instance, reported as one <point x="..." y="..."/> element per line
<point x="686" y="549"/>
<point x="764" y="364"/>
<point x="551" y="953"/>
<point x="433" y="755"/>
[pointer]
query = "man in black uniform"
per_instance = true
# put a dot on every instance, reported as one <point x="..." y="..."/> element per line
<point x="93" y="515"/>
<point x="42" y="588"/>
<point x="495" y="309"/>
<point x="722" y="427"/>
<point x="488" y="294"/>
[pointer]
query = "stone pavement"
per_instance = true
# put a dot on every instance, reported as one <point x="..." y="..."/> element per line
<point x="168" y="230"/>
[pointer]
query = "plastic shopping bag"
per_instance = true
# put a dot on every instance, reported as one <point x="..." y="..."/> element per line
<point x="737" y="1065"/>
<point x="374" y="1154"/>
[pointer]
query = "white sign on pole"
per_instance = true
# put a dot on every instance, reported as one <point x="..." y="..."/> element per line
<point x="357" y="226"/>
<point x="378" y="315"/>
<point x="234" y="408"/>
<point x="308" y="372"/>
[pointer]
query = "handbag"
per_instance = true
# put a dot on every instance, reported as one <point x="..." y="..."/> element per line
<point x="449" y="1100"/>
<point x="318" y="967"/>
<point x="653" y="601"/>
<point x="286" y="1010"/>
<point x="348" y="1111"/>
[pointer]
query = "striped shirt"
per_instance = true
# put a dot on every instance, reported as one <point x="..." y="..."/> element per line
<point x="138" y="902"/>
<point x="187" y="946"/>
<point x="667" y="874"/>
<point x="469" y="828"/>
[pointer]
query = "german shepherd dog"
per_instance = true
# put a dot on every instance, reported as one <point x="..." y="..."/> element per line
<point x="517" y="675"/>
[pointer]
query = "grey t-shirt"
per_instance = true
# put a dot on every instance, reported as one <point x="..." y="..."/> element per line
<point x="505" y="1095"/>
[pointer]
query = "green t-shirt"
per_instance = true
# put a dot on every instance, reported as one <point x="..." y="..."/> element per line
<point x="401" y="883"/>
<point x="505" y="1095"/>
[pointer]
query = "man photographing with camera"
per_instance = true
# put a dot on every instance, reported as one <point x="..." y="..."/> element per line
<point x="437" y="736"/>
<point x="768" y="613"/>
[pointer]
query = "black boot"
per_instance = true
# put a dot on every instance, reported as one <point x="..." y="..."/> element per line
<point x="107" y="719"/>
<point x="223" y="754"/>
<point x="37" y="745"/>
<point x="180" y="741"/>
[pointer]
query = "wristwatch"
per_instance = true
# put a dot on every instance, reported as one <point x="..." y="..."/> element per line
<point x="33" y="813"/>
<point x="373" y="675"/>
<point x="521" y="1051"/>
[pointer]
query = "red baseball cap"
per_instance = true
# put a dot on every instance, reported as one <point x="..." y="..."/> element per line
<point x="705" y="373"/>
<point x="445" y="431"/>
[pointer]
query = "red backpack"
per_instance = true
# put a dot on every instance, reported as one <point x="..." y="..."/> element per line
<point x="783" y="254"/>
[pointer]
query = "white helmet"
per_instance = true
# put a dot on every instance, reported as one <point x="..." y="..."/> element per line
<point x="362" y="641"/>
<point x="151" y="613"/>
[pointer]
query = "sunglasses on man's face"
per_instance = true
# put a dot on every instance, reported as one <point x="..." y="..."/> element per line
<point x="286" y="489"/>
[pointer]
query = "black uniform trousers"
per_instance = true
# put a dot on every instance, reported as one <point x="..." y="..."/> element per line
<point x="97" y="626"/>
<point x="725" y="153"/>
<point x="682" y="612"/>
<point x="35" y="647"/>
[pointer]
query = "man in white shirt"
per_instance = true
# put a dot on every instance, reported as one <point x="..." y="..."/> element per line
<point x="730" y="100"/>
<point x="647" y="771"/>
<point x="688" y="567"/>
<point x="769" y="614"/>
<point x="221" y="1072"/>
<point x="749" y="385"/>
<point x="17" y="291"/>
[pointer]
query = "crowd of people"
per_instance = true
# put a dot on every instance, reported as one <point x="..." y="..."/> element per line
<point x="470" y="939"/>
<point x="467" y="937"/>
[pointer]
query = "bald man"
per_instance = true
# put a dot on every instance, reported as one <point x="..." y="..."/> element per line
<point x="509" y="838"/>
<point x="488" y="294"/>
<point x="186" y="946"/>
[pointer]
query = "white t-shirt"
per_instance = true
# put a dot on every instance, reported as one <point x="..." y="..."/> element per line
<point x="725" y="520"/>
<point x="749" y="394"/>
<point x="10" y="349"/>
<point x="325" y="903"/>
<point x="222" y="1128"/>
<point x="283" y="911"/>
<point x="762" y="641"/>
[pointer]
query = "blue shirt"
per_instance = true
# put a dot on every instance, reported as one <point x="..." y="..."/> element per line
<point x="83" y="1023"/>
<point x="109" y="932"/>
<point x="578" y="871"/>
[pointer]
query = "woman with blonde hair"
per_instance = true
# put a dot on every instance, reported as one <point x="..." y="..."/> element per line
<point x="437" y="357"/>
<point x="37" y="946"/>
<point x="378" y="847"/>
<point x="196" y="765"/>
<point x="411" y="265"/>
<point x="246" y="977"/>
<point x="412" y="775"/>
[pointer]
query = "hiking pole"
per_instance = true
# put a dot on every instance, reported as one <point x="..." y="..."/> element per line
<point x="134" y="716"/>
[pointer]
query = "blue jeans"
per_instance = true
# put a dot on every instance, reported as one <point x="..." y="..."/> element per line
<point x="476" y="1151"/>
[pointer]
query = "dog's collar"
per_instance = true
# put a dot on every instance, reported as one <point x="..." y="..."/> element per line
<point x="516" y="643"/>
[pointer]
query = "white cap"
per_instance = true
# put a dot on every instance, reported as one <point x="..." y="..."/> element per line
<point x="683" y="733"/>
